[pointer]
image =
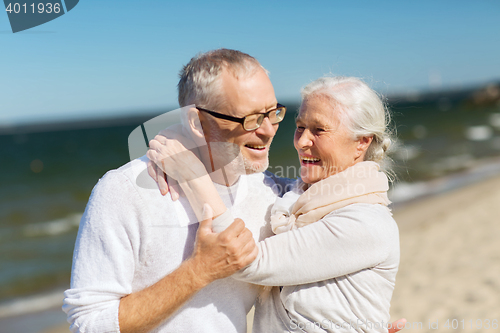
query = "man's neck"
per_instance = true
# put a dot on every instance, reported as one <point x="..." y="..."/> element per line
<point x="220" y="168"/>
<point x="224" y="177"/>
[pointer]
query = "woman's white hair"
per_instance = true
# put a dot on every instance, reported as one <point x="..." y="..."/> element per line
<point x="361" y="110"/>
<point x="200" y="82"/>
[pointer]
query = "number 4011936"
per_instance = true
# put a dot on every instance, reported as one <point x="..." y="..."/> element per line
<point x="41" y="8"/>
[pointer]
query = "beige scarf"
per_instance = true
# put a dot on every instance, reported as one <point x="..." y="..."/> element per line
<point x="360" y="183"/>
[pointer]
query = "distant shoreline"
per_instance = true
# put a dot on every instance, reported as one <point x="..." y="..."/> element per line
<point x="407" y="193"/>
<point x="72" y="124"/>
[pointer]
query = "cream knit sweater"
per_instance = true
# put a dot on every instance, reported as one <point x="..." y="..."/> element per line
<point x="338" y="273"/>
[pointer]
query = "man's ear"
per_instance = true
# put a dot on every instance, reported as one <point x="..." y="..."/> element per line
<point x="195" y="124"/>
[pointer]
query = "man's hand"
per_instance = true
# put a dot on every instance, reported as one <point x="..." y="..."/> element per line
<point x="397" y="326"/>
<point x="217" y="256"/>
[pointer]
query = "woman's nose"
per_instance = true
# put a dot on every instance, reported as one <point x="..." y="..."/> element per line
<point x="304" y="139"/>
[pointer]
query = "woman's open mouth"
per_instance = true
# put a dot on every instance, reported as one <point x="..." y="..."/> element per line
<point x="306" y="160"/>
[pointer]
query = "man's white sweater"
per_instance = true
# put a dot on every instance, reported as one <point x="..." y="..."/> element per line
<point x="130" y="237"/>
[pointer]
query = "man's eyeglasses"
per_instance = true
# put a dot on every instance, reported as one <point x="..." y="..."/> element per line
<point x="252" y="121"/>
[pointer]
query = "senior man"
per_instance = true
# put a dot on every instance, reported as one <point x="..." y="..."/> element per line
<point x="134" y="272"/>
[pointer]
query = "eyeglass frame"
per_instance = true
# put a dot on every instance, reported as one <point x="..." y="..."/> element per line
<point x="242" y="120"/>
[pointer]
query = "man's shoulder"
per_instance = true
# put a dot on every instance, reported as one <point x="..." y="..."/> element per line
<point x="130" y="182"/>
<point x="130" y="190"/>
<point x="134" y="167"/>
<point x="133" y="172"/>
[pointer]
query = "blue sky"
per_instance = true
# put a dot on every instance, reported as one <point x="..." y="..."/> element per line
<point x="122" y="57"/>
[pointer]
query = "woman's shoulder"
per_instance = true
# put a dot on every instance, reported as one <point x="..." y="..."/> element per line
<point x="364" y="208"/>
<point x="371" y="216"/>
<point x="371" y="224"/>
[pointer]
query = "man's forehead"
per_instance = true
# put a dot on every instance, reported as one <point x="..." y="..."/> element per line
<point x="247" y="94"/>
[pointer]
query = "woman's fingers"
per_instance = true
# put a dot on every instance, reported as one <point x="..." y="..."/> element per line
<point x="157" y="149"/>
<point x="172" y="158"/>
<point x="152" y="170"/>
<point x="158" y="176"/>
<point x="154" y="156"/>
<point x="162" y="181"/>
<point x="172" y="187"/>
<point x="160" y="139"/>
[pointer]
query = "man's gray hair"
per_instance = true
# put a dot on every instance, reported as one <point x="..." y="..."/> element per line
<point x="361" y="109"/>
<point x="200" y="82"/>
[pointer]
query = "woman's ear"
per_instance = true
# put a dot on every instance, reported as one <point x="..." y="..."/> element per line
<point x="363" y="143"/>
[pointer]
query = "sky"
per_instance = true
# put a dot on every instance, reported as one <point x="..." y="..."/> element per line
<point x="110" y="58"/>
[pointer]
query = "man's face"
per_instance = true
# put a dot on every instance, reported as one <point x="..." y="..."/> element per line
<point x="245" y="96"/>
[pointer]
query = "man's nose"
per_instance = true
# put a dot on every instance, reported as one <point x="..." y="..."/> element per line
<point x="266" y="128"/>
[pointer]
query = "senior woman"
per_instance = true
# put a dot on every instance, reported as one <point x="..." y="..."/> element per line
<point x="336" y="252"/>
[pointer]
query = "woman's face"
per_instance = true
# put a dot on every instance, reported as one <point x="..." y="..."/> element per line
<point x="324" y="145"/>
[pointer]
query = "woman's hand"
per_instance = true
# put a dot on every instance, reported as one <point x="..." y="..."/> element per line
<point x="160" y="178"/>
<point x="173" y="154"/>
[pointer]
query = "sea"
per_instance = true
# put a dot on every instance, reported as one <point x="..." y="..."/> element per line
<point x="48" y="172"/>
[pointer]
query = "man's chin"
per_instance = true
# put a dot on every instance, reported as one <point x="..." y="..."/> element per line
<point x="255" y="167"/>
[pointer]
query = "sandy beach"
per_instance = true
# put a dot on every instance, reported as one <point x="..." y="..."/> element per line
<point x="450" y="261"/>
<point x="448" y="278"/>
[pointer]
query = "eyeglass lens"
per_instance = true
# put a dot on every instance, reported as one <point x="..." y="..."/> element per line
<point x="254" y="121"/>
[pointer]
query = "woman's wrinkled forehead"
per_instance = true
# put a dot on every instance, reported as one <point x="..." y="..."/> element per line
<point x="326" y="96"/>
<point x="320" y="108"/>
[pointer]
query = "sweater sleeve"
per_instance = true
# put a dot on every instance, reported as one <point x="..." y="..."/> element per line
<point x="106" y="250"/>
<point x="343" y="242"/>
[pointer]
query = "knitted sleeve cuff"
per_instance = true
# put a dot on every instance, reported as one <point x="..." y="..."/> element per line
<point x="223" y="221"/>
